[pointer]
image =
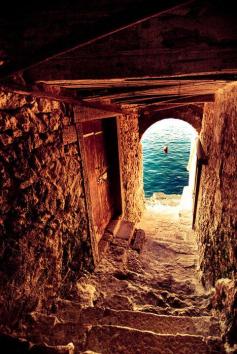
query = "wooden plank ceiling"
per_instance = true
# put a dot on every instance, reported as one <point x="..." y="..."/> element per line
<point x="121" y="52"/>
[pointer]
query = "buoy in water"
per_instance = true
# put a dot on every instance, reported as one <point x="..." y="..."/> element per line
<point x="165" y="149"/>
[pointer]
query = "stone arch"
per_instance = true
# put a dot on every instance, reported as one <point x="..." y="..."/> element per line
<point x="190" y="117"/>
<point x="191" y="114"/>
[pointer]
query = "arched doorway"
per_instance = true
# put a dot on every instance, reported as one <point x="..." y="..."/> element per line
<point x="169" y="163"/>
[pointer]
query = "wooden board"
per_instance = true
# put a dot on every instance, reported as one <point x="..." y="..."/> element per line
<point x="98" y="170"/>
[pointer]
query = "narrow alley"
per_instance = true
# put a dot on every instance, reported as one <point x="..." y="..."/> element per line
<point x="145" y="301"/>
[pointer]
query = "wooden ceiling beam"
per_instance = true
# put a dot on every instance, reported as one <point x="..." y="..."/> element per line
<point x="164" y="107"/>
<point x="177" y="89"/>
<point x="224" y="75"/>
<point x="169" y="100"/>
<point x="98" y="108"/>
<point x="192" y="39"/>
<point x="117" y="65"/>
<point x="23" y="52"/>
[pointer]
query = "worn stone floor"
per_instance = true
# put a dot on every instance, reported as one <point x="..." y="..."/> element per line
<point x="148" y="302"/>
<point x="162" y="279"/>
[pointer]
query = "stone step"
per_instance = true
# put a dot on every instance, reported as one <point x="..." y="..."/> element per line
<point x="122" y="340"/>
<point x="138" y="240"/>
<point x="108" y="236"/>
<point x="113" y="226"/>
<point x="14" y="345"/>
<point x="125" y="231"/>
<point x="160" y="324"/>
<point x="56" y="331"/>
<point x="92" y="325"/>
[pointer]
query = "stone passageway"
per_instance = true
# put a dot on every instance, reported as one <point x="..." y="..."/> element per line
<point x="75" y="102"/>
<point x="148" y="301"/>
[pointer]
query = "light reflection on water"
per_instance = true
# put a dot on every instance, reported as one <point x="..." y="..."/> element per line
<point x="166" y="172"/>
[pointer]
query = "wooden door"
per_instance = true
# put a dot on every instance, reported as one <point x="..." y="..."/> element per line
<point x="97" y="159"/>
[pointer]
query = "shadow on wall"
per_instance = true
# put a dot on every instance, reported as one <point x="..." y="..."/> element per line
<point x="44" y="244"/>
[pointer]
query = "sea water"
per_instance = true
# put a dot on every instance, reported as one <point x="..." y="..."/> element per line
<point x="163" y="172"/>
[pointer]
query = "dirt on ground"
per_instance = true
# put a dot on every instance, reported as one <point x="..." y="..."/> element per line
<point x="163" y="278"/>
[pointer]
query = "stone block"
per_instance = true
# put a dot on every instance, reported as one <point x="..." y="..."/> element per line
<point x="113" y="226"/>
<point x="205" y="325"/>
<point x="10" y="100"/>
<point x="45" y="105"/>
<point x="139" y="240"/>
<point x="46" y="349"/>
<point x="69" y="135"/>
<point x="125" y="230"/>
<point x="116" y="339"/>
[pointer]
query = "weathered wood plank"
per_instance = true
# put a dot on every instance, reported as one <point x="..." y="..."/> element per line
<point x="97" y="107"/>
<point x="140" y="82"/>
<point x="159" y="100"/>
<point x="87" y="22"/>
<point x="83" y="114"/>
<point x="185" y="42"/>
<point x="153" y="65"/>
<point x="179" y="89"/>
<point x="167" y="107"/>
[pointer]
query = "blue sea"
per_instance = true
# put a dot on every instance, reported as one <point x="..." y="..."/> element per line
<point x="162" y="172"/>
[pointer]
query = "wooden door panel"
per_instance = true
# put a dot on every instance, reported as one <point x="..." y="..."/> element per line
<point x="91" y="167"/>
<point x="92" y="127"/>
<point x="97" y="162"/>
<point x="102" y="161"/>
<point x="103" y="179"/>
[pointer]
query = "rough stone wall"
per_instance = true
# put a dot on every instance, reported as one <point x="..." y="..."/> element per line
<point x="131" y="166"/>
<point x="44" y="236"/>
<point x="224" y="301"/>
<point x="191" y="114"/>
<point x="217" y="208"/>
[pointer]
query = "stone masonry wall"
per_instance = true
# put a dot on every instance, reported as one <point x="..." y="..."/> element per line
<point x="44" y="236"/>
<point x="216" y="222"/>
<point x="217" y="210"/>
<point x="191" y="114"/>
<point x="131" y="166"/>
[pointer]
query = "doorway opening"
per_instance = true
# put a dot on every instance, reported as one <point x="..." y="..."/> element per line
<point x="100" y="146"/>
<point x="169" y="164"/>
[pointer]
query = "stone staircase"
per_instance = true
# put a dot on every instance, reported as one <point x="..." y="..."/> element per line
<point x="130" y="310"/>
<point x="121" y="233"/>
<point x="108" y="331"/>
<point x="138" y="332"/>
<point x="116" y="339"/>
